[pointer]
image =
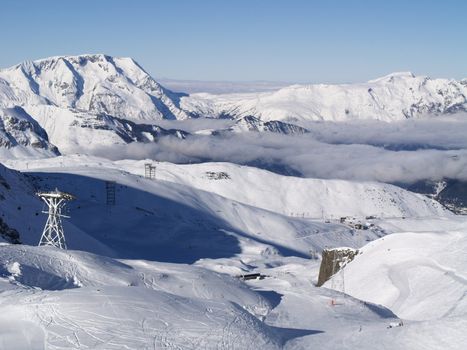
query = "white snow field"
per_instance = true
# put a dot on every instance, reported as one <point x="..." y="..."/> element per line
<point x="161" y="265"/>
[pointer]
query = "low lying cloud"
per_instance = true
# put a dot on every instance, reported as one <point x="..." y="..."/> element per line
<point x="221" y="87"/>
<point x="397" y="152"/>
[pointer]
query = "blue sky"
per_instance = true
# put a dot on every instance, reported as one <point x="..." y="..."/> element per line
<point x="241" y="40"/>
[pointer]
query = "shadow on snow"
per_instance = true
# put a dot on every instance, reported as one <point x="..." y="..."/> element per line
<point x="143" y="225"/>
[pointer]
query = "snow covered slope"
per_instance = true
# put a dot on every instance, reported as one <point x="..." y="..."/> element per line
<point x="394" y="97"/>
<point x="291" y="196"/>
<point x="419" y="276"/>
<point x="130" y="318"/>
<point x="20" y="210"/>
<point x="55" y="299"/>
<point x="174" y="222"/>
<point x="73" y="299"/>
<point x="36" y="267"/>
<point x="213" y="211"/>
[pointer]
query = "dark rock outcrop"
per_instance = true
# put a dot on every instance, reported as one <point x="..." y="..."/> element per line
<point x="332" y="261"/>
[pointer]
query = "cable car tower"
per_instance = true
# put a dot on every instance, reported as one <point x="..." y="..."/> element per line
<point x="53" y="231"/>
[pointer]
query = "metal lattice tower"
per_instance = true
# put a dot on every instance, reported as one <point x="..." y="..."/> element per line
<point x="53" y="231"/>
<point x="149" y="171"/>
<point x="110" y="192"/>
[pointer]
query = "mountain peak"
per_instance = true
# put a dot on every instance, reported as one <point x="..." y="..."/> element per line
<point x="95" y="83"/>
<point x="392" y="76"/>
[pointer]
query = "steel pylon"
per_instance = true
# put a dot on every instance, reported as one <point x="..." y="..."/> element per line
<point x="53" y="234"/>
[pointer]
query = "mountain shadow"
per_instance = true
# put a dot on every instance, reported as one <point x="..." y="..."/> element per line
<point x="141" y="225"/>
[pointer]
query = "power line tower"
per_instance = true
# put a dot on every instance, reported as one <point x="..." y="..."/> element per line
<point x="110" y="192"/>
<point x="149" y="171"/>
<point x="53" y="234"/>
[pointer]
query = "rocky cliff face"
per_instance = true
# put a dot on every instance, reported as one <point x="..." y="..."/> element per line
<point x="333" y="260"/>
<point x="18" y="128"/>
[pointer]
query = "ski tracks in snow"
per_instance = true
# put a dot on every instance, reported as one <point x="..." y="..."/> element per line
<point x="398" y="274"/>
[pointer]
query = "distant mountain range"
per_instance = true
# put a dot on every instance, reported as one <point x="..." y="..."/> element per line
<point x="394" y="97"/>
<point x="69" y="103"/>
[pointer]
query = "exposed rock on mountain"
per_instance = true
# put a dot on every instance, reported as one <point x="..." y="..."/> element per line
<point x="451" y="193"/>
<point x="251" y="123"/>
<point x="19" y="129"/>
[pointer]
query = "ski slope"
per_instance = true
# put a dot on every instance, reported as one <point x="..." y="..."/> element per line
<point x="77" y="300"/>
<point x="104" y="303"/>
<point x="293" y="196"/>
<point x="418" y="275"/>
<point x="108" y="304"/>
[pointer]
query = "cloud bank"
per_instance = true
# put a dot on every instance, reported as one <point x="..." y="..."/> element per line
<point x="397" y="152"/>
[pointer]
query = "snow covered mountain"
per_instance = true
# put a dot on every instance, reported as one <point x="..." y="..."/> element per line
<point x="397" y="96"/>
<point x="89" y="83"/>
<point x="88" y="101"/>
<point x="81" y="102"/>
